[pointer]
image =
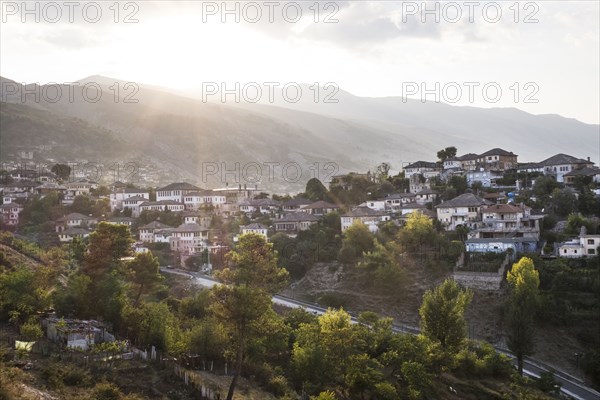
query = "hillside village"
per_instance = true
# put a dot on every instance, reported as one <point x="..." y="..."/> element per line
<point x="489" y="196"/>
<point x="369" y="242"/>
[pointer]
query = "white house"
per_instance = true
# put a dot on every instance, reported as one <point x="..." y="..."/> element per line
<point x="557" y="166"/>
<point x="67" y="235"/>
<point x="377" y="205"/>
<point x="585" y="246"/>
<point x="259" y="229"/>
<point x="426" y="196"/>
<point x="508" y="220"/>
<point x="295" y="221"/>
<point x="117" y="197"/>
<point x="175" y="191"/>
<point x="74" y="220"/>
<point x="10" y="213"/>
<point x="146" y="232"/>
<point x="133" y="204"/>
<point x="194" y="200"/>
<point x="371" y="218"/>
<point x="425" y="168"/>
<point x="319" y="208"/>
<point x="186" y="237"/>
<point x="162" y="205"/>
<point x="486" y="177"/>
<point x="464" y="210"/>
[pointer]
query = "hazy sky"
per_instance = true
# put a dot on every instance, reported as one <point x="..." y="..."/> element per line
<point x="367" y="48"/>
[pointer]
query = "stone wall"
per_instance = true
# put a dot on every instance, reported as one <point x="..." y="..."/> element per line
<point x="481" y="280"/>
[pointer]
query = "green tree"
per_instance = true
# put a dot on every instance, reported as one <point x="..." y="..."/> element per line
<point x="144" y="272"/>
<point x="82" y="204"/>
<point x="315" y="190"/>
<point x="357" y="241"/>
<point x="62" y="171"/>
<point x="250" y="280"/>
<point x="564" y="201"/>
<point x="443" y="314"/>
<point x="521" y="308"/>
<point x="382" y="172"/>
<point x="446" y="153"/>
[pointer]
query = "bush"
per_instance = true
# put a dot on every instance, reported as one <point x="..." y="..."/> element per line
<point x="278" y="385"/>
<point x="106" y="391"/>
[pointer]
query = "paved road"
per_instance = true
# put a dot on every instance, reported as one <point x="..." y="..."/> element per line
<point x="571" y="385"/>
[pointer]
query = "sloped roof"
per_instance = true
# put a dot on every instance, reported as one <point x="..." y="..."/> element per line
<point x="422" y="164"/>
<point x="363" y="212"/>
<point x="255" y="226"/>
<point x="188" y="228"/>
<point x="503" y="209"/>
<point x="179" y="186"/>
<point x="464" y="200"/>
<point x="319" y="204"/>
<point x="74" y="231"/>
<point x="136" y="198"/>
<point x="73" y="216"/>
<point x="298" y="217"/>
<point x="154" y="225"/>
<point x="497" y="152"/>
<point x="561" y="159"/>
<point x="468" y="157"/>
<point x="587" y="171"/>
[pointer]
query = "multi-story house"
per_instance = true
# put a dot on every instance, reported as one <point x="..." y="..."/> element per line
<point x="75" y="220"/>
<point x="593" y="174"/>
<point x="119" y="196"/>
<point x="295" y="204"/>
<point x="497" y="160"/>
<point x="487" y="178"/>
<point x="507" y="220"/>
<point x="195" y="200"/>
<point x="265" y="206"/>
<point x="133" y="204"/>
<point x="294" y="222"/>
<point x="426" y="196"/>
<point x="557" y="166"/>
<point x="10" y="214"/>
<point x="186" y="237"/>
<point x="319" y="208"/>
<point x="259" y="229"/>
<point x="146" y="232"/>
<point x="162" y="205"/>
<point x="175" y="191"/>
<point x="464" y="210"/>
<point x="469" y="161"/>
<point x="69" y="234"/>
<point x="397" y="200"/>
<point x="584" y="246"/>
<point x="425" y="168"/>
<point x="202" y="218"/>
<point x="371" y="218"/>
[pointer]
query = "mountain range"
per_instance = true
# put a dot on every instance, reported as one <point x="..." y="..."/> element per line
<point x="178" y="136"/>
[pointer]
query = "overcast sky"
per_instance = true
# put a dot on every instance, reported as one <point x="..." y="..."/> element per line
<point x="366" y="48"/>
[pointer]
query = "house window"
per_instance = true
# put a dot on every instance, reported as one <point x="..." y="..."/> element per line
<point x="590" y="241"/>
<point x="565" y="251"/>
<point x="591" y="251"/>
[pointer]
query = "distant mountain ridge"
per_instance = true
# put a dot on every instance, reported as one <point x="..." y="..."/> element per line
<point x="189" y="138"/>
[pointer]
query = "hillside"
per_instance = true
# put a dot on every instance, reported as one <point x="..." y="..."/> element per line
<point x="180" y="135"/>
